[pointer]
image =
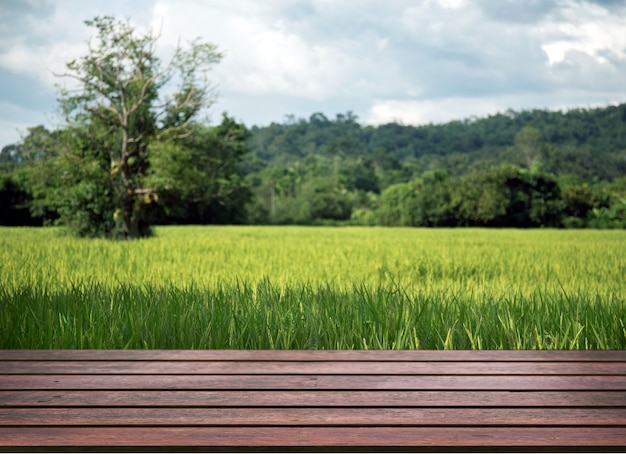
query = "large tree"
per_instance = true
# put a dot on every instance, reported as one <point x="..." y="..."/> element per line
<point x="122" y="103"/>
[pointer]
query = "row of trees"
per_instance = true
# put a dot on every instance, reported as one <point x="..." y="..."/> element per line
<point x="320" y="192"/>
<point x="135" y="152"/>
<point x="202" y="179"/>
<point x="504" y="196"/>
<point x="527" y="181"/>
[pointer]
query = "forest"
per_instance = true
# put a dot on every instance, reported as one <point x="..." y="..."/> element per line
<point x="134" y="151"/>
<point x="534" y="168"/>
<point x="513" y="169"/>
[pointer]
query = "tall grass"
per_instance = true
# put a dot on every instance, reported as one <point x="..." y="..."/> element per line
<point x="315" y="288"/>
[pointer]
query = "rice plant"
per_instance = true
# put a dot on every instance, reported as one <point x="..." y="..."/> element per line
<point x="315" y="288"/>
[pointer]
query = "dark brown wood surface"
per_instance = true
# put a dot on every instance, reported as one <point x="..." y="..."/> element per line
<point x="314" y="400"/>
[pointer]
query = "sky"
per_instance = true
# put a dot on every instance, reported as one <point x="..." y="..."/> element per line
<point x="408" y="61"/>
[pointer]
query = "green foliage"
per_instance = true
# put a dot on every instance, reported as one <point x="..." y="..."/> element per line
<point x="434" y="199"/>
<point x="579" y="200"/>
<point x="15" y="201"/>
<point x="482" y="160"/>
<point x="500" y="197"/>
<point x="116" y="117"/>
<point x="612" y="217"/>
<point x="422" y="203"/>
<point x="586" y="142"/>
<point x="479" y="199"/>
<point x="534" y="198"/>
<point x="10" y="154"/>
<point x="515" y="169"/>
<point x="77" y="181"/>
<point x="359" y="175"/>
<point x="325" y="200"/>
<point x="197" y="179"/>
<point x="528" y="148"/>
<point x="398" y="205"/>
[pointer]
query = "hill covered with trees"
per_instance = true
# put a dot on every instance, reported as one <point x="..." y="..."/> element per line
<point x="589" y="143"/>
<point x="321" y="169"/>
<point x="522" y="169"/>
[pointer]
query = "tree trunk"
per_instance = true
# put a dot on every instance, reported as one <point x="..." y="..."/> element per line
<point x="131" y="220"/>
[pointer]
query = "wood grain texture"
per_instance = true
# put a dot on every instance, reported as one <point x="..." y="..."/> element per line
<point x="341" y="416"/>
<point x="318" y="400"/>
<point x="314" y="367"/>
<point x="321" y="382"/>
<point x="315" y="437"/>
<point x="311" y="399"/>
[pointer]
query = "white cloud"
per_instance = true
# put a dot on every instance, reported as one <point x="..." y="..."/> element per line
<point x="426" y="111"/>
<point x="265" y="53"/>
<point x="432" y="60"/>
<point x="16" y="120"/>
<point x="589" y="29"/>
<point x="450" y="4"/>
<point x="42" y="63"/>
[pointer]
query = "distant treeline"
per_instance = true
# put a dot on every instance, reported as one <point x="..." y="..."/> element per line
<point x="530" y="168"/>
<point x="515" y="169"/>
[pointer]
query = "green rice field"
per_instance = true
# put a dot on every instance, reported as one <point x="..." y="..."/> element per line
<point x="315" y="288"/>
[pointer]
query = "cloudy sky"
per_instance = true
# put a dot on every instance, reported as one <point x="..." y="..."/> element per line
<point x="414" y="61"/>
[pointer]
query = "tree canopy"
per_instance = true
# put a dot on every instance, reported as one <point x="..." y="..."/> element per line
<point x="125" y="110"/>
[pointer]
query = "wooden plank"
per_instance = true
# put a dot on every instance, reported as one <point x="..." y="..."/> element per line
<point x="312" y="398"/>
<point x="280" y="416"/>
<point x="246" y="437"/>
<point x="322" y="382"/>
<point x="313" y="367"/>
<point x="316" y="355"/>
